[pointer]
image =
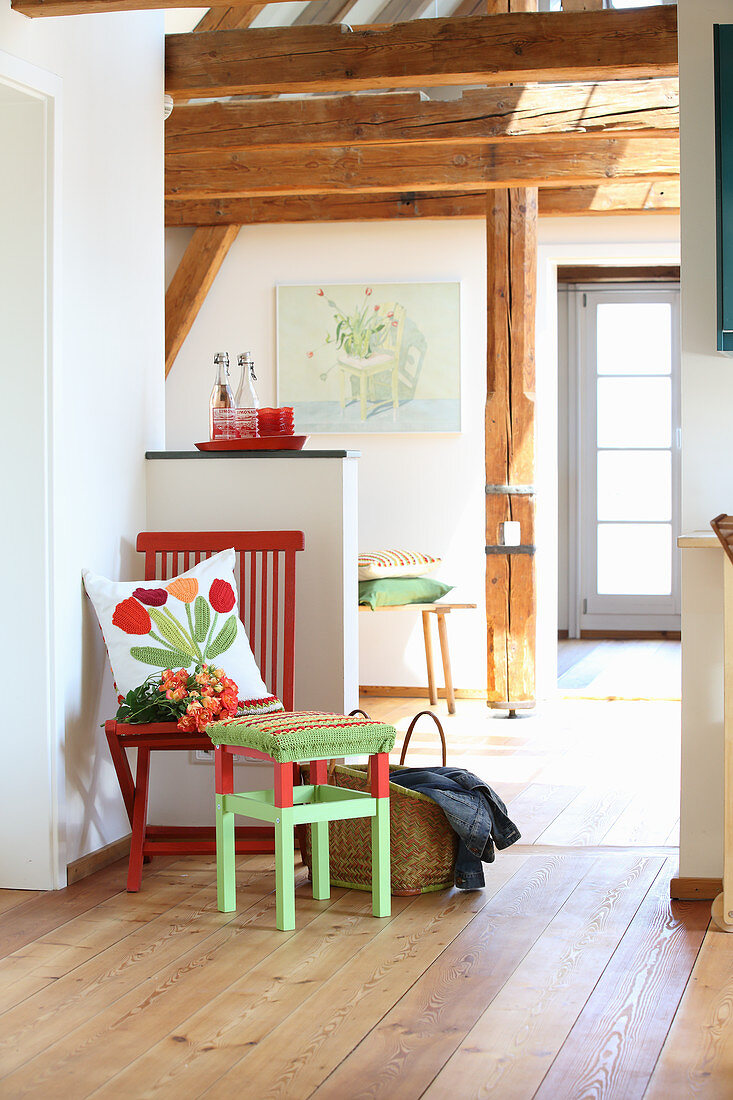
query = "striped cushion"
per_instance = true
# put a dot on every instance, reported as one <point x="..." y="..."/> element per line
<point x="304" y="735"/>
<point x="395" y="563"/>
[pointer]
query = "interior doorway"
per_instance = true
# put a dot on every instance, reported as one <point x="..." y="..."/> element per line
<point x="622" y="457"/>
<point x="620" y="460"/>
<point x="32" y="777"/>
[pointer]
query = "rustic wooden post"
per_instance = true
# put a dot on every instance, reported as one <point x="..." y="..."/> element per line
<point x="511" y="223"/>
<point x="511" y="255"/>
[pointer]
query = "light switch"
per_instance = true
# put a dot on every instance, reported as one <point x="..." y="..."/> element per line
<point x="511" y="533"/>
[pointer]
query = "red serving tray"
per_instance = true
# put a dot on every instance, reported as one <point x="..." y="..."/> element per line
<point x="260" y="443"/>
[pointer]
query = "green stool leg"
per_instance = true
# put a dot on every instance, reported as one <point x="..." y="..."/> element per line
<point x="319" y="839"/>
<point x="285" y="870"/>
<point x="381" y="895"/>
<point x="321" y="862"/>
<point x="226" y="876"/>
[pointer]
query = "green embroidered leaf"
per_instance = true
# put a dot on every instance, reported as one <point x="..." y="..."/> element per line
<point x="161" y="658"/>
<point x="202" y="614"/>
<point x="172" y="633"/>
<point x="224" y="638"/>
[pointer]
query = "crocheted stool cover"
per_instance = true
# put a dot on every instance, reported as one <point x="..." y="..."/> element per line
<point x="304" y="735"/>
<point x="288" y="738"/>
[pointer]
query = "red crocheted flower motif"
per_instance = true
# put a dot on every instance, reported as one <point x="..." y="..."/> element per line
<point x="153" y="597"/>
<point x="221" y="596"/>
<point x="131" y="617"/>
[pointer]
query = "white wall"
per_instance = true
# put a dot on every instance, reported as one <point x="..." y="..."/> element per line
<point x="106" y="379"/>
<point x="707" y="452"/>
<point x="417" y="491"/>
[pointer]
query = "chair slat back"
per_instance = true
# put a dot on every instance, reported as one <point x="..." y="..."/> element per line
<point x="266" y="572"/>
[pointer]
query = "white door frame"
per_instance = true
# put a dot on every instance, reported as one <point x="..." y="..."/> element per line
<point x="46" y="87"/>
<point x="650" y="612"/>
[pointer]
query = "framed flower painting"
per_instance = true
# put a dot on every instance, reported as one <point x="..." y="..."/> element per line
<point x="370" y="357"/>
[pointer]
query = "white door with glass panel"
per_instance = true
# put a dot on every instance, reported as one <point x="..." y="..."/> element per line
<point x="630" y="459"/>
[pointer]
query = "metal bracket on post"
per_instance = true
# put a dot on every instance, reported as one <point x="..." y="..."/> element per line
<point x="510" y="549"/>
<point x="511" y="490"/>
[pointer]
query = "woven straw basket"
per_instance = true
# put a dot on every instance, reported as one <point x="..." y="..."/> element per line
<point x="423" y="845"/>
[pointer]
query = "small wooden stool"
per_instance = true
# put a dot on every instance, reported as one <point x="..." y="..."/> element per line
<point x="439" y="610"/>
<point x="285" y="740"/>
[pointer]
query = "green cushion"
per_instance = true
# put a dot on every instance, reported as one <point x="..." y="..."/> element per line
<point x="304" y="735"/>
<point x="393" y="591"/>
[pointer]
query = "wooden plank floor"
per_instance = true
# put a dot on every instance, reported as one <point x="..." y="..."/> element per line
<point x="613" y="669"/>
<point x="570" y="975"/>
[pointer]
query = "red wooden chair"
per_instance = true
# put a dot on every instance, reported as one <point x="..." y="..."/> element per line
<point x="266" y="561"/>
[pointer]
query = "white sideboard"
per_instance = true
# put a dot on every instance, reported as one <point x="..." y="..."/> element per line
<point x="311" y="491"/>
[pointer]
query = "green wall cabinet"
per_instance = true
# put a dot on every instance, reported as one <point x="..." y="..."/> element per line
<point x="723" y="42"/>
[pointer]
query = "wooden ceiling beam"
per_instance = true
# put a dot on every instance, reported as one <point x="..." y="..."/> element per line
<point x="189" y="286"/>
<point x="595" y="273"/>
<point x="39" y="8"/>
<point x="634" y="108"/>
<point x="630" y="197"/>
<point x="418" y="166"/>
<point x="606" y="198"/>
<point x="496" y="49"/>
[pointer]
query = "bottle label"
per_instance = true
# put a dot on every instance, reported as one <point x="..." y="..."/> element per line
<point x="224" y="424"/>
<point x="246" y="421"/>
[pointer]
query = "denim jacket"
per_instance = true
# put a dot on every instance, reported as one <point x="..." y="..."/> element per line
<point x="474" y="811"/>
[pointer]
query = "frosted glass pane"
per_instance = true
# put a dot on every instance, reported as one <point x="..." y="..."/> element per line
<point x="634" y="485"/>
<point x="634" y="338"/>
<point x="634" y="559"/>
<point x="634" y="412"/>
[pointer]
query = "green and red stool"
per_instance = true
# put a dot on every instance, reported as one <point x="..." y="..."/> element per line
<point x="287" y="739"/>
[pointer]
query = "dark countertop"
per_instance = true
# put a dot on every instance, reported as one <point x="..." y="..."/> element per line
<point x="252" y="454"/>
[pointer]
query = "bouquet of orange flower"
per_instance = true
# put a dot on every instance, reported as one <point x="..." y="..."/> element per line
<point x="191" y="699"/>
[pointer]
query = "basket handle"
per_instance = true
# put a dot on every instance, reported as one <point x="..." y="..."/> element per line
<point x="332" y="763"/>
<point x="411" y="727"/>
<point x="364" y="714"/>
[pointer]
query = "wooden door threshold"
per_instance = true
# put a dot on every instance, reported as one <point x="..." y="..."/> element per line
<point x="624" y="635"/>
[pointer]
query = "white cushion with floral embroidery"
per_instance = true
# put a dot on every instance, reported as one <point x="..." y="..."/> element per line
<point x="152" y="625"/>
<point x="395" y="563"/>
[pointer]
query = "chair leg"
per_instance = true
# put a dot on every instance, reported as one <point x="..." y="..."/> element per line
<point x="285" y="870"/>
<point x="226" y="872"/>
<point x="381" y="896"/>
<point x="445" y="654"/>
<point x="426" y="628"/>
<point x="226" y="869"/>
<point x="284" y="848"/>
<point x="139" y="820"/>
<point x="301" y="833"/>
<point x="319" y="840"/>
<point x="381" y="871"/>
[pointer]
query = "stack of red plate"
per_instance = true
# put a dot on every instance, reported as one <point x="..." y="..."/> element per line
<point x="275" y="421"/>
